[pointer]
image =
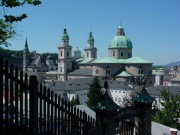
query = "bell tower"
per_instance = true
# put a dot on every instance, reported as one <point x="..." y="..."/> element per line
<point x="64" y="56"/>
<point x="90" y="50"/>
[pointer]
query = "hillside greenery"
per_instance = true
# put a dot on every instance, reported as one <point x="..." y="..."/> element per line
<point x="16" y="56"/>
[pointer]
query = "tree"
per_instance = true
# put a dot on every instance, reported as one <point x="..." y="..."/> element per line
<point x="170" y="110"/>
<point x="75" y="101"/>
<point x="95" y="92"/>
<point x="7" y="30"/>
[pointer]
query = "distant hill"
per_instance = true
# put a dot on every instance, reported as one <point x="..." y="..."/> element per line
<point x="16" y="57"/>
<point x="172" y="64"/>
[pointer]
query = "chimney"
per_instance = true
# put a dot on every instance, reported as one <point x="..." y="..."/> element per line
<point x="173" y="131"/>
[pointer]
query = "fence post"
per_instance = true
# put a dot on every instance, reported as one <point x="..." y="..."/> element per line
<point x="33" y="105"/>
<point x="1" y="94"/>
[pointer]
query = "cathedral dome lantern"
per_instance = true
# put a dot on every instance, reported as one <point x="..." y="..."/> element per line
<point x="120" y="40"/>
<point x="120" y="46"/>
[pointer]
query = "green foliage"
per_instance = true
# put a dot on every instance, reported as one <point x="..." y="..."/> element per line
<point x="171" y="107"/>
<point x="95" y="93"/>
<point x="75" y="101"/>
<point x="15" y="57"/>
<point x="157" y="67"/>
<point x="7" y="30"/>
<point x="53" y="55"/>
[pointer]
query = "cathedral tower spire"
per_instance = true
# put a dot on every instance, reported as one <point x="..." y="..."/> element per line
<point x="90" y="51"/>
<point x="25" y="56"/>
<point x="65" y="38"/>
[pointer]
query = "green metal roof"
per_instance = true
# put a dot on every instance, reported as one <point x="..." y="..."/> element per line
<point x="106" y="104"/>
<point x="87" y="61"/>
<point x="134" y="60"/>
<point x="120" y="41"/>
<point x="137" y="60"/>
<point x="104" y="60"/>
<point x="79" y="60"/>
<point x="124" y="74"/>
<point x="144" y="97"/>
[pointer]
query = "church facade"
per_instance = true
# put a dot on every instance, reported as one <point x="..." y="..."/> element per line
<point x="119" y="65"/>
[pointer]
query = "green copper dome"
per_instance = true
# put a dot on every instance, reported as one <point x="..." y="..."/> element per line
<point x="65" y="35"/>
<point x="120" y="40"/>
<point x="90" y="38"/>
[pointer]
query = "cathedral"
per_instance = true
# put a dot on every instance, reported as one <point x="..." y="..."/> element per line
<point x="119" y="65"/>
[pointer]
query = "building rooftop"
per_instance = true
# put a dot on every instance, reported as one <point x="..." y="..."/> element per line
<point x="82" y="71"/>
<point x="124" y="74"/>
<point x="159" y="129"/>
<point x="105" y="60"/>
<point x="177" y="78"/>
<point x="156" y="90"/>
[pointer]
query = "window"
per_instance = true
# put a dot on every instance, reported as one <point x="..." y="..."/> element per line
<point x="67" y="54"/>
<point x="115" y="99"/>
<point x="129" y="54"/>
<point x="107" y="66"/>
<point x="150" y="71"/>
<point x="97" y="71"/>
<point x="60" y="69"/>
<point x="107" y="71"/>
<point x="113" y="53"/>
<point x="150" y="82"/>
<point x="140" y="71"/>
<point x="122" y="54"/>
<point x="61" y="53"/>
<point x="87" y="54"/>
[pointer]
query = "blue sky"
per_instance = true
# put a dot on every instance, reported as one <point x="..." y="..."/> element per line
<point x="153" y="26"/>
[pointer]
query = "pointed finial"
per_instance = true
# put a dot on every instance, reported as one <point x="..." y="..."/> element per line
<point x="120" y="26"/>
<point x="26" y="43"/>
<point x="90" y="29"/>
